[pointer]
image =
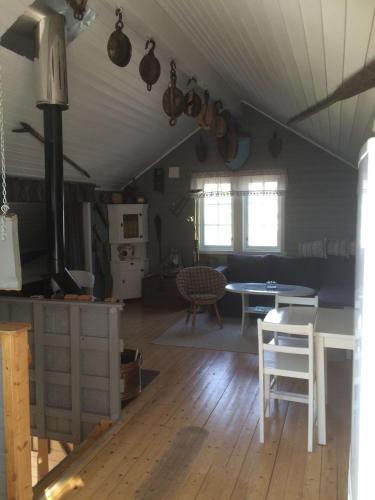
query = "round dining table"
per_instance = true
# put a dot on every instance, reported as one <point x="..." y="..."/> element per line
<point x="247" y="289"/>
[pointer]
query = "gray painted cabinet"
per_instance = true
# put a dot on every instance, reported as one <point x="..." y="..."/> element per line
<point x="75" y="368"/>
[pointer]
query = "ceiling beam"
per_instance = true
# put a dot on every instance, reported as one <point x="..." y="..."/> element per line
<point x="149" y="19"/>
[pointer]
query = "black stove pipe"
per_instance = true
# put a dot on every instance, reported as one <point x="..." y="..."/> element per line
<point x="54" y="188"/>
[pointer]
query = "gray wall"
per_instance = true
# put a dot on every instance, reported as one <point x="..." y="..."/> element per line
<point x="320" y="201"/>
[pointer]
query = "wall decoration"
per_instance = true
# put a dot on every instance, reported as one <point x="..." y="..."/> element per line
<point x="242" y="155"/>
<point x="174" y="172"/>
<point x="119" y="47"/>
<point x="149" y="67"/>
<point x="228" y="145"/>
<point x="159" y="179"/>
<point x="173" y="98"/>
<point x="192" y="101"/>
<point x="220" y="128"/>
<point x="275" y="145"/>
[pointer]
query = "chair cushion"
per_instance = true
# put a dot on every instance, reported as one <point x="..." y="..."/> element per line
<point x="203" y="298"/>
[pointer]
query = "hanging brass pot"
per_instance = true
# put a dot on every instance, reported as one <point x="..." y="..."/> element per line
<point x="119" y="47"/>
<point x="220" y="128"/>
<point x="228" y="145"/>
<point x="192" y="101"/>
<point x="149" y="67"/>
<point x="201" y="118"/>
<point x="173" y="98"/>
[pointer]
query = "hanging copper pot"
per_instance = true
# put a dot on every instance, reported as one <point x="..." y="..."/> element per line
<point x="228" y="145"/>
<point x="201" y="150"/>
<point x="149" y="67"/>
<point x="119" y="47"/>
<point x="173" y="98"/>
<point x="192" y="101"/>
<point x="201" y="122"/>
<point x="210" y="116"/>
<point x="220" y="128"/>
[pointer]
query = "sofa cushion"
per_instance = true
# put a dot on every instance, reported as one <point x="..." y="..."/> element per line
<point x="336" y="296"/>
<point x="248" y="268"/>
<point x="303" y="271"/>
<point x="338" y="271"/>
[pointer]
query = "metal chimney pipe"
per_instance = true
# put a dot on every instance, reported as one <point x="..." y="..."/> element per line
<point x="50" y="62"/>
<point x="52" y="98"/>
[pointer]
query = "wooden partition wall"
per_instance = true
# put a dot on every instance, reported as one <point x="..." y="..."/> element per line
<point x="75" y="368"/>
<point x="15" y="453"/>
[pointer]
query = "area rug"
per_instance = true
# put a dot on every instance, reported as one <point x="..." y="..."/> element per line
<point x="207" y="334"/>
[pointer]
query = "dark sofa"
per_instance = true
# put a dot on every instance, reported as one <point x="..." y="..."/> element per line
<point x="332" y="278"/>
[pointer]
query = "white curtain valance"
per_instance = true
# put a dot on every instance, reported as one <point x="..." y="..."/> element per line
<point x="242" y="183"/>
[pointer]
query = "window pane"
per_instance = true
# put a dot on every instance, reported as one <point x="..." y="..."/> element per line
<point x="263" y="221"/>
<point x="217" y="216"/>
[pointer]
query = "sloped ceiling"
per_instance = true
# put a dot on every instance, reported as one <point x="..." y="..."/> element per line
<point x="277" y="55"/>
<point x="284" y="55"/>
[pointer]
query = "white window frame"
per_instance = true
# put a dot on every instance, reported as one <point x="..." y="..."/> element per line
<point x="239" y="216"/>
<point x="213" y="248"/>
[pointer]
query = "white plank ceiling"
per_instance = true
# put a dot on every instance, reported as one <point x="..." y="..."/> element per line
<point x="284" y="55"/>
<point x="277" y="55"/>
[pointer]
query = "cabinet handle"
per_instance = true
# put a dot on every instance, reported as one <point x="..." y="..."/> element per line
<point x="123" y="281"/>
<point x="132" y="263"/>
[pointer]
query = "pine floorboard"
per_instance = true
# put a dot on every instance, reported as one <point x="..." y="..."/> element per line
<point x="193" y="433"/>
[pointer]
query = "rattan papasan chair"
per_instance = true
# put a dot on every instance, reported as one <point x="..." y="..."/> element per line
<point x="202" y="286"/>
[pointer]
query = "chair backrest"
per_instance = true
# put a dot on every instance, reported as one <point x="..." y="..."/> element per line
<point x="200" y="279"/>
<point x="296" y="301"/>
<point x="305" y="330"/>
<point x="84" y="279"/>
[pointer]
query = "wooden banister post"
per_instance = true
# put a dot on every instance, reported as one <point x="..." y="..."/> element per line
<point x="15" y="452"/>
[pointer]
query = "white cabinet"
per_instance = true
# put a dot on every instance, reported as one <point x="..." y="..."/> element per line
<point x="128" y="223"/>
<point x="127" y="279"/>
<point x="128" y="234"/>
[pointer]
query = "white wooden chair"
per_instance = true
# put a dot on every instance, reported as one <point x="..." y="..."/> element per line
<point x="287" y="300"/>
<point x="286" y="360"/>
<point x="281" y="300"/>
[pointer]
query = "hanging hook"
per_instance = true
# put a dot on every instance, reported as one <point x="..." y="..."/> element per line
<point x="192" y="79"/>
<point x="119" y="24"/>
<point x="150" y="41"/>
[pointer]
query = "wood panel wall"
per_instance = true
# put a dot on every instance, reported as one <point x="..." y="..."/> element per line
<point x="320" y="201"/>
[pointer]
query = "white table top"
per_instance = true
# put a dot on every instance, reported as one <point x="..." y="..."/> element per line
<point x="326" y="321"/>
<point x="260" y="289"/>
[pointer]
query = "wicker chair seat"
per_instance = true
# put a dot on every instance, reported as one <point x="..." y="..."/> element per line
<point x="203" y="298"/>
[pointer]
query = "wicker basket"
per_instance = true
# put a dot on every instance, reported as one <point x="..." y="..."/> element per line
<point x="131" y="362"/>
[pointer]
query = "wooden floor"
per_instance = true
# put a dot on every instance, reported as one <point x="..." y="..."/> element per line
<point x="193" y="433"/>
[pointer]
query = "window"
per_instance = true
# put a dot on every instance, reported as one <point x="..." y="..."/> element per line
<point x="216" y="216"/>
<point x="263" y="231"/>
<point x="243" y="211"/>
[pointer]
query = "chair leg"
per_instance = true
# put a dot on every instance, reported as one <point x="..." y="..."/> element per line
<point x="267" y="382"/>
<point x="261" y="409"/>
<point x="218" y="315"/>
<point x="194" y="311"/>
<point x="310" y="423"/>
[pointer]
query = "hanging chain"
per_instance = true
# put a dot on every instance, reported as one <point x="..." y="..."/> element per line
<point x="4" y="207"/>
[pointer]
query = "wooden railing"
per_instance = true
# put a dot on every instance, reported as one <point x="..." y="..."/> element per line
<point x="15" y="453"/>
